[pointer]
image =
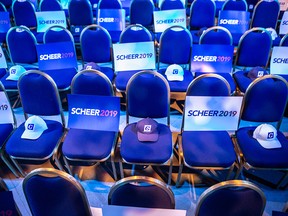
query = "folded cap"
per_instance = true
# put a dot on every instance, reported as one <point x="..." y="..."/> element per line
<point x="91" y="65"/>
<point x="256" y="72"/>
<point x="266" y="135"/>
<point x="174" y="72"/>
<point x="34" y="127"/>
<point x="15" y="72"/>
<point x="147" y="130"/>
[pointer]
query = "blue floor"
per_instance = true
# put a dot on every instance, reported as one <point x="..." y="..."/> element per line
<point x="97" y="182"/>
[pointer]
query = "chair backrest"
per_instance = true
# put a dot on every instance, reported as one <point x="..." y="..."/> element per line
<point x="284" y="40"/>
<point x="2" y="7"/>
<point x="202" y="14"/>
<point x="216" y="35"/>
<point x="175" y="46"/>
<point x="254" y="48"/>
<point x="80" y="12"/>
<point x="96" y="44"/>
<point x="231" y="198"/>
<point x="141" y="191"/>
<point x="148" y="95"/>
<point x="135" y="33"/>
<point x="54" y="192"/>
<point x="21" y="36"/>
<point x="238" y="5"/>
<point x="265" y="14"/>
<point x="91" y="82"/>
<point x="24" y="13"/>
<point x="264" y="94"/>
<point x="171" y="5"/>
<point x="141" y="12"/>
<point x="39" y="95"/>
<point x="50" y="5"/>
<point x="109" y="4"/>
<point x="57" y="34"/>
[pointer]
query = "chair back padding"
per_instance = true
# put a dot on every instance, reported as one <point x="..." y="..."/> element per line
<point x="171" y="5"/>
<point x="57" y="34"/>
<point x="80" y="12"/>
<point x="141" y="12"/>
<point x="216" y="35"/>
<point x="237" y="5"/>
<point x="24" y="13"/>
<point x="50" y="5"/>
<point x="135" y="33"/>
<point x="109" y="4"/>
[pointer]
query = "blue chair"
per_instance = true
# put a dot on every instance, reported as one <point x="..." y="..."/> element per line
<point x="64" y="195"/>
<point x="218" y="35"/>
<point x="99" y="146"/>
<point x="231" y="198"/>
<point x="39" y="97"/>
<point x="265" y="14"/>
<point x="141" y="191"/>
<point x="269" y="92"/>
<point x="141" y="12"/>
<point x="96" y="46"/>
<point x="253" y="51"/>
<point x="132" y="34"/>
<point x="80" y="16"/>
<point x="148" y="95"/>
<point x="50" y="5"/>
<point x="238" y="5"/>
<point x="175" y="47"/>
<point x="21" y="36"/>
<point x="3" y="34"/>
<point x="171" y="5"/>
<point x="201" y="150"/>
<point x="202" y="16"/>
<point x="111" y="4"/>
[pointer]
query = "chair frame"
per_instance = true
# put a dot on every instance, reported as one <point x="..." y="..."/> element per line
<point x="141" y="179"/>
<point x="134" y="26"/>
<point x="181" y="159"/>
<point x="242" y="161"/>
<point x="229" y="184"/>
<point x="170" y="161"/>
<point x="285" y="37"/>
<point x="227" y="1"/>
<point x="51" y="28"/>
<point x="216" y="28"/>
<point x="113" y="150"/>
<point x="54" y="173"/>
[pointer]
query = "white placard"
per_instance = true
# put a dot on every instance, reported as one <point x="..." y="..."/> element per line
<point x="134" y="56"/>
<point x="47" y="19"/>
<point x="279" y="60"/>
<point x="167" y="18"/>
<point x="212" y="113"/>
<point x="3" y="62"/>
<point x="6" y="115"/>
<point x="283" y="5"/>
<point x="283" y="29"/>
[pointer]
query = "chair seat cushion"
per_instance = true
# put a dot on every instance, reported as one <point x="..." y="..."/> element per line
<point x="179" y="86"/>
<point x="227" y="76"/>
<point x="242" y="80"/>
<point x="62" y="77"/>
<point x="258" y="156"/>
<point x="134" y="151"/>
<point x="5" y="130"/>
<point x="122" y="79"/>
<point x="80" y="144"/>
<point x="41" y="148"/>
<point x="109" y="72"/>
<point x="208" y="149"/>
<point x="9" y="84"/>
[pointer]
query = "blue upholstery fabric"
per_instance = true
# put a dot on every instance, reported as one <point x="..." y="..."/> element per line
<point x="171" y="5"/>
<point x="130" y="35"/>
<point x="5" y="130"/>
<point x="62" y="77"/>
<point x="232" y="202"/>
<point x="146" y="196"/>
<point x="179" y="86"/>
<point x="53" y="36"/>
<point x="24" y="14"/>
<point x="122" y="79"/>
<point x="50" y="5"/>
<point x="216" y="37"/>
<point x="134" y="151"/>
<point x="88" y="144"/>
<point x="208" y="148"/>
<point x="258" y="156"/>
<point x="36" y="149"/>
<point x="61" y="197"/>
<point x="80" y="12"/>
<point x="9" y="84"/>
<point x="242" y="80"/>
<point x="238" y="5"/>
<point x="3" y="72"/>
<point x="141" y="12"/>
<point x="7" y="204"/>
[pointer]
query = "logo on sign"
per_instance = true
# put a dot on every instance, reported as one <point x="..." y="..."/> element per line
<point x="147" y="128"/>
<point x="270" y="135"/>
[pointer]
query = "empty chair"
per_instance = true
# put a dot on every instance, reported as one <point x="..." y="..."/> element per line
<point x="231" y="198"/>
<point x="141" y="191"/>
<point x="36" y="140"/>
<point x="148" y="98"/>
<point x="263" y="107"/>
<point x="96" y="46"/>
<point x="50" y="5"/>
<point x="238" y="5"/>
<point x="64" y="195"/>
<point x="171" y="5"/>
<point x="253" y="51"/>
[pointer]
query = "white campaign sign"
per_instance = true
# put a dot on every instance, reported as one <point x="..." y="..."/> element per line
<point x="283" y="5"/>
<point x="134" y="56"/>
<point x="6" y="115"/>
<point x="283" y="29"/>
<point x="167" y="18"/>
<point x="212" y="113"/>
<point x="279" y="60"/>
<point x="3" y="62"/>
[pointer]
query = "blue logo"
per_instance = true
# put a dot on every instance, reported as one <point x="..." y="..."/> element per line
<point x="13" y="71"/>
<point x="175" y="71"/>
<point x="270" y="135"/>
<point x="30" y="127"/>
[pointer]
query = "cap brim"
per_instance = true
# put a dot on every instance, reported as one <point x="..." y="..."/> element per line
<point x="145" y="137"/>
<point x="12" y="77"/>
<point x="31" y="135"/>
<point x="175" y="78"/>
<point x="269" y="144"/>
